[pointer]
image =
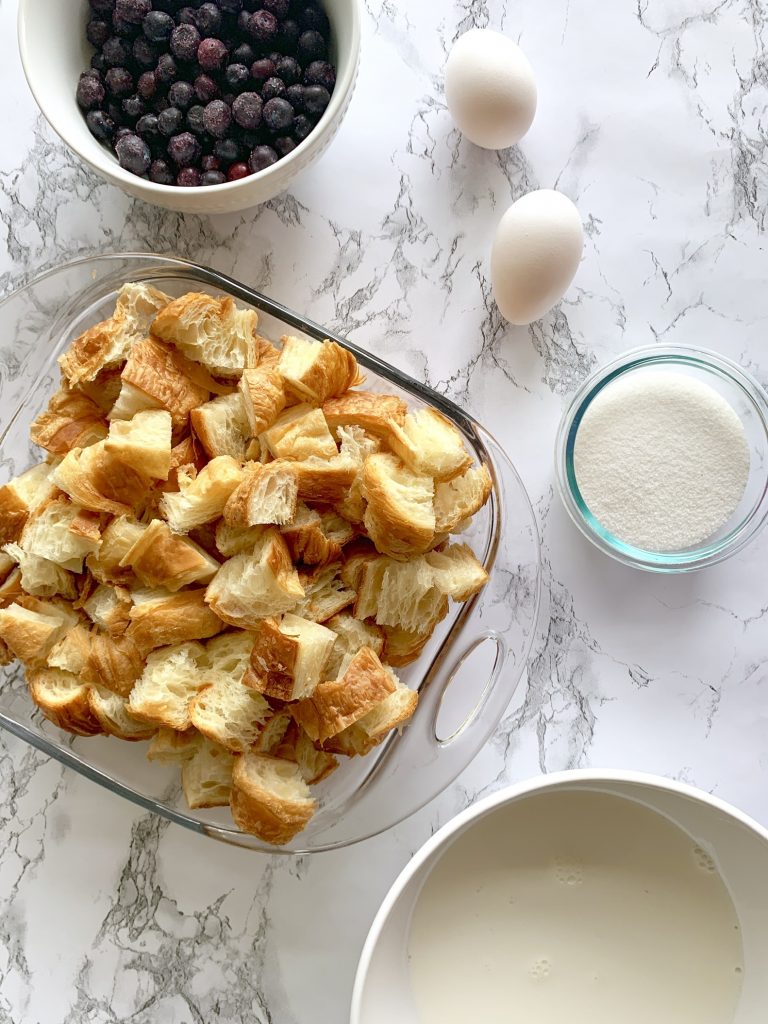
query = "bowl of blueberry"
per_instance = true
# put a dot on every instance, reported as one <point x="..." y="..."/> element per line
<point x="203" y="106"/>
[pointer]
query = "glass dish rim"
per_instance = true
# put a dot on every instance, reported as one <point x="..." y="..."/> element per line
<point x="169" y="266"/>
<point x="695" y="558"/>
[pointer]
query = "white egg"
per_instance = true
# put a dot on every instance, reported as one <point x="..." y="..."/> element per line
<point x="536" y="252"/>
<point x="490" y="89"/>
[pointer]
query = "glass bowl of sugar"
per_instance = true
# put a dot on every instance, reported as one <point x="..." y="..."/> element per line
<point x="662" y="458"/>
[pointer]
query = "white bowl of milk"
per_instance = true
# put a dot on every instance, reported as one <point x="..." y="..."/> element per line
<point x="580" y="897"/>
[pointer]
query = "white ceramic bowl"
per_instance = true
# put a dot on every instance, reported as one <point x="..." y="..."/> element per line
<point x="54" y="51"/>
<point x="738" y="845"/>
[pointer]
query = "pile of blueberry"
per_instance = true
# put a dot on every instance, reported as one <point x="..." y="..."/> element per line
<point x="198" y="93"/>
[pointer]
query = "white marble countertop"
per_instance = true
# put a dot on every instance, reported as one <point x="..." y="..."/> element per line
<point x="652" y="119"/>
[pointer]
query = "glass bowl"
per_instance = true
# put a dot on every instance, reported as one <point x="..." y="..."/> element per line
<point x="366" y="795"/>
<point x="743" y="394"/>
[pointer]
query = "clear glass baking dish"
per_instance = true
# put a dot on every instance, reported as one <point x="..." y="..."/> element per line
<point x="364" y="796"/>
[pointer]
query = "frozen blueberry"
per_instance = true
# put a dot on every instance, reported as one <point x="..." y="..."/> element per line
<point x="133" y="11"/>
<point x="231" y="6"/>
<point x="208" y="19"/>
<point x="243" y="54"/>
<point x="133" y="107"/>
<point x="263" y="69"/>
<point x="311" y="17"/>
<point x="116" y="53"/>
<point x="272" y="89"/>
<point x="217" y="117"/>
<point x="185" y="40"/>
<point x="277" y="7"/>
<point x="184" y="149"/>
<point x="97" y="32"/>
<point x="295" y="96"/>
<point x="188" y="177"/>
<point x="119" y="81"/>
<point x="302" y="126"/>
<point x="210" y="163"/>
<point x="246" y="110"/>
<point x="206" y="89"/>
<point x="124" y="28"/>
<point x="316" y="99"/>
<point x="262" y="26"/>
<point x="238" y="171"/>
<point x="237" y="76"/>
<point x="261" y="158"/>
<point x="320" y="72"/>
<point x="170" y="121"/>
<point x="187" y="16"/>
<point x="284" y="145"/>
<point x="147" y="127"/>
<point x="90" y="92"/>
<point x="160" y="172"/>
<point x="98" y="63"/>
<point x="114" y="109"/>
<point x="213" y="178"/>
<point x="157" y="26"/>
<point x="166" y="70"/>
<point x="288" y="38"/>
<point x="289" y="69"/>
<point x="311" y="46"/>
<point x="194" y="119"/>
<point x="181" y="95"/>
<point x="146" y="86"/>
<point x="211" y="54"/>
<point x="133" y="154"/>
<point x="226" y="151"/>
<point x="278" y="115"/>
<point x="144" y="53"/>
<point x="100" y="125"/>
<point x="102" y="6"/>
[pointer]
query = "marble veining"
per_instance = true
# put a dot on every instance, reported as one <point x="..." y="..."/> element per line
<point x="652" y="119"/>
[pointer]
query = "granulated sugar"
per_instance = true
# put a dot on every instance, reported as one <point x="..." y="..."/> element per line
<point x="661" y="460"/>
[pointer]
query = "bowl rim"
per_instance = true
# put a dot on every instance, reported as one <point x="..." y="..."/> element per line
<point x="693" y="559"/>
<point x="509" y="794"/>
<point x="107" y="165"/>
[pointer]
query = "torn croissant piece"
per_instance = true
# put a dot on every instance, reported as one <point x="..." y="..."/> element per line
<point x="31" y="634"/>
<point x="108" y="343"/>
<point x="227" y="712"/>
<point x="314" y="764"/>
<point x="459" y="499"/>
<point x="169" y="746"/>
<point x="109" y="608"/>
<point x="367" y="732"/>
<point x="112" y="661"/>
<point x="256" y="584"/>
<point x="457" y="572"/>
<point x="162" y="619"/>
<point x="314" y="539"/>
<point x="64" y="700"/>
<point x="166" y="377"/>
<point x="210" y="330"/>
<point x="315" y="371"/>
<point x="104" y="389"/>
<point x="358" y="445"/>
<point x="267" y="494"/>
<point x="270" y="799"/>
<point x="402" y="646"/>
<point x="20" y="497"/>
<point x="160" y="558"/>
<point x="399" y="516"/>
<point x="374" y="413"/>
<point x="325" y="593"/>
<point x="300" y="433"/>
<point x="97" y="480"/>
<point x="351" y="635"/>
<point x="144" y="442"/>
<point x="202" y="497"/>
<point x="429" y="444"/>
<point x="234" y="540"/>
<point x="335" y="705"/>
<point x="288" y="657"/>
<point x="112" y="714"/>
<point x="222" y="426"/>
<point x="187" y="455"/>
<point x="38" y="576"/>
<point x="49" y="534"/>
<point x="206" y="777"/>
<point x="116" y="540"/>
<point x="71" y="421"/>
<point x="170" y="679"/>
<point x="263" y="396"/>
